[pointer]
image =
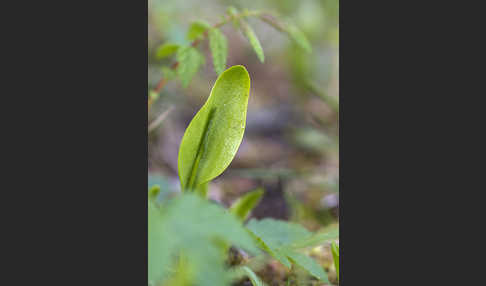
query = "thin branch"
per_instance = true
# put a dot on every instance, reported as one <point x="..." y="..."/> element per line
<point x="154" y="124"/>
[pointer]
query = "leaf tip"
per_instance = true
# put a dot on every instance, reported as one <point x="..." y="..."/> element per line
<point x="241" y="68"/>
<point x="237" y="71"/>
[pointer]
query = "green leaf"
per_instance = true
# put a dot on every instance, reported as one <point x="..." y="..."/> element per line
<point x="278" y="254"/>
<point x="153" y="95"/>
<point x="335" y="256"/>
<point x="190" y="59"/>
<point x="157" y="261"/>
<point x="308" y="264"/>
<point x="252" y="38"/>
<point x="275" y="236"/>
<point x="154" y="192"/>
<point x="255" y="280"/>
<point x="193" y="230"/>
<point x="166" y="50"/>
<point x="219" y="49"/>
<point x="197" y="29"/>
<point x="318" y="238"/>
<point x="278" y="238"/>
<point x="211" y="140"/>
<point x="245" y="204"/>
<point x="164" y="188"/>
<point x="232" y="11"/>
<point x="299" y="38"/>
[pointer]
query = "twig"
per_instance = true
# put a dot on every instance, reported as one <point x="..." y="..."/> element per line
<point x="154" y="124"/>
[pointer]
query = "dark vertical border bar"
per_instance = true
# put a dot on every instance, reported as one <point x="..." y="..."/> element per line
<point x="115" y="219"/>
<point x="113" y="180"/>
<point x="359" y="136"/>
<point x="409" y="82"/>
<point x="385" y="133"/>
<point x="79" y="200"/>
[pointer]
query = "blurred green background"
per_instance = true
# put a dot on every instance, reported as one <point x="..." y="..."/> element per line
<point x="290" y="146"/>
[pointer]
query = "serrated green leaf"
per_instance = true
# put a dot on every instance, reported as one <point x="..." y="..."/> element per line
<point x="219" y="49"/>
<point x="252" y="38"/>
<point x="245" y="204"/>
<point x="197" y="29"/>
<point x="277" y="233"/>
<point x="276" y="236"/>
<point x="308" y="264"/>
<point x="280" y="239"/>
<point x="335" y="256"/>
<point x="275" y="253"/>
<point x="198" y="230"/>
<point x="318" y="238"/>
<point x="190" y="59"/>
<point x="280" y="255"/>
<point x="255" y="280"/>
<point x="166" y="50"/>
<point x="211" y="140"/>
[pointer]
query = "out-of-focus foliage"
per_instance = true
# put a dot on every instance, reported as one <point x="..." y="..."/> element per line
<point x="252" y="38"/>
<point x="335" y="256"/>
<point x="166" y="50"/>
<point x="278" y="238"/>
<point x="255" y="280"/>
<point x="192" y="229"/>
<point x="189" y="59"/>
<point x="242" y="207"/>
<point x="197" y="29"/>
<point x="219" y="49"/>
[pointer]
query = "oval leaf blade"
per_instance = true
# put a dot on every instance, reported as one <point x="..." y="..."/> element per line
<point x="166" y="50"/>
<point x="212" y="138"/>
<point x="197" y="29"/>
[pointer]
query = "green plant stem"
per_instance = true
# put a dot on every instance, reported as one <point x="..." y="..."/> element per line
<point x="241" y="15"/>
<point x="270" y="19"/>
